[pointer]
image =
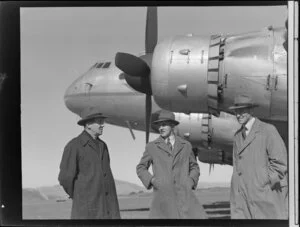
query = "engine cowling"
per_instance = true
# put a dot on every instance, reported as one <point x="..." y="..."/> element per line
<point x="179" y="73"/>
<point x="195" y="74"/>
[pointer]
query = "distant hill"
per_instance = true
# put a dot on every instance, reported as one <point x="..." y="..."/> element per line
<point x="125" y="188"/>
<point x="33" y="195"/>
<point x="213" y="184"/>
<point x="54" y="192"/>
<point x="57" y="192"/>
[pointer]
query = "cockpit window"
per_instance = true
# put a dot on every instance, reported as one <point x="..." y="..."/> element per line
<point x="94" y="65"/>
<point x="106" y="65"/>
<point x="99" y="65"/>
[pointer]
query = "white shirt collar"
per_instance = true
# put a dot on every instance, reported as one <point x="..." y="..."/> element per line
<point x="172" y="139"/>
<point x="249" y="125"/>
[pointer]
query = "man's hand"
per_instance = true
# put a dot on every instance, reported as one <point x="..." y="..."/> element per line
<point x="191" y="183"/>
<point x="154" y="182"/>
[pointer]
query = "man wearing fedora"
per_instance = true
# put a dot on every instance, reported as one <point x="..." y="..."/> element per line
<point x="259" y="179"/>
<point x="85" y="172"/>
<point x="175" y="173"/>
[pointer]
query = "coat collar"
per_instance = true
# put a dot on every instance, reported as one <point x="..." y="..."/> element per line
<point x="256" y="127"/>
<point x="179" y="143"/>
<point x="87" y="139"/>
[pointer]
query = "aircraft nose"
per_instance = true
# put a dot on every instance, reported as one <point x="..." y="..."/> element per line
<point x="73" y="93"/>
<point x="73" y="88"/>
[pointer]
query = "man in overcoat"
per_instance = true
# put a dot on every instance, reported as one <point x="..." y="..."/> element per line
<point x="175" y="173"/>
<point x="259" y="179"/>
<point x="85" y="173"/>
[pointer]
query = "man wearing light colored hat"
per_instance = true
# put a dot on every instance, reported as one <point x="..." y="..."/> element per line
<point x="85" y="172"/>
<point x="259" y="179"/>
<point x="175" y="173"/>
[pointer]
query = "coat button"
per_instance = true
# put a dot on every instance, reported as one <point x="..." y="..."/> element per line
<point x="240" y="157"/>
<point x="106" y="193"/>
<point x="239" y="173"/>
<point x="104" y="174"/>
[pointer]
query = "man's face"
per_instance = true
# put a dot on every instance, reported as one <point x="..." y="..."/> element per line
<point x="97" y="126"/>
<point x="243" y="115"/>
<point x="165" y="128"/>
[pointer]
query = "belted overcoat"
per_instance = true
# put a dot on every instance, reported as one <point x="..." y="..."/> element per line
<point x="86" y="176"/>
<point x="176" y="173"/>
<point x="259" y="179"/>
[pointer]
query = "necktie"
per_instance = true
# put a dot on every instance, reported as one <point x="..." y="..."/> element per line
<point x="169" y="144"/>
<point x="244" y="129"/>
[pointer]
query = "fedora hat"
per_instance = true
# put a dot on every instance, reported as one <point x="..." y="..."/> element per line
<point x="165" y="115"/>
<point x="242" y="101"/>
<point x="89" y="114"/>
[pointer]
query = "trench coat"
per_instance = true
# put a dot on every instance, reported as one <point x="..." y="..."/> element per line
<point x="86" y="176"/>
<point x="176" y="174"/>
<point x="259" y="179"/>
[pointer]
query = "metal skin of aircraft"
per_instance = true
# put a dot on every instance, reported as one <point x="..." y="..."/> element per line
<point x="197" y="74"/>
<point x="107" y="90"/>
<point x="195" y="77"/>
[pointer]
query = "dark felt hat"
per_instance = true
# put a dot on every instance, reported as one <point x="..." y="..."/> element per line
<point x="166" y="116"/>
<point x="89" y="114"/>
<point x="242" y="101"/>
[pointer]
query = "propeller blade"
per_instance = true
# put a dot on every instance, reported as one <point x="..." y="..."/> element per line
<point x="132" y="65"/>
<point x="141" y="84"/>
<point x="151" y="30"/>
<point x="148" y="116"/>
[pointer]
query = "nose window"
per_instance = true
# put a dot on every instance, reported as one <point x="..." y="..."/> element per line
<point x="94" y="65"/>
<point x="106" y="65"/>
<point x="99" y="65"/>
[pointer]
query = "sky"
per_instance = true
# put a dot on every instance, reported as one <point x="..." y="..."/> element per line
<point x="60" y="44"/>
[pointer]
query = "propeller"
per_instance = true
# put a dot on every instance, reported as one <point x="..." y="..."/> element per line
<point x="137" y="69"/>
<point x="125" y="62"/>
<point x="151" y="30"/>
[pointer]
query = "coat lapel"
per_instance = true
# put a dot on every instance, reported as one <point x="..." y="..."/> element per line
<point x="177" y="146"/>
<point x="162" y="145"/>
<point x="87" y="140"/>
<point x="250" y="137"/>
<point x="101" y="149"/>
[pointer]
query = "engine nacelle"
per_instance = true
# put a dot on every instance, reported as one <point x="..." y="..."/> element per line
<point x="195" y="74"/>
<point x="179" y="74"/>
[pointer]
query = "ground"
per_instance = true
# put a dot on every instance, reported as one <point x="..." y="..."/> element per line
<point x="133" y="206"/>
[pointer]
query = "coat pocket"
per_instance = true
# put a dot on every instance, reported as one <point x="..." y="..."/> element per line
<point x="189" y="183"/>
<point x="266" y="179"/>
<point x="156" y="184"/>
<point x="262" y="177"/>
